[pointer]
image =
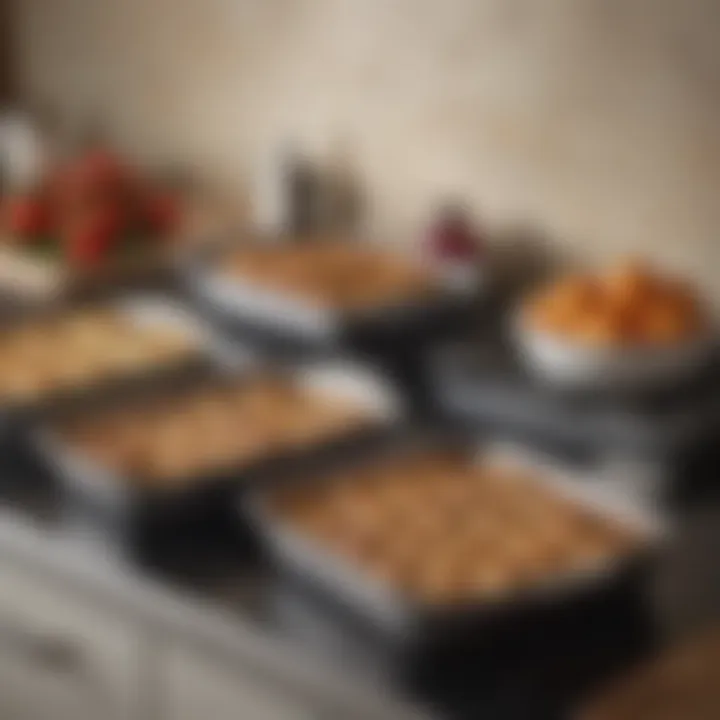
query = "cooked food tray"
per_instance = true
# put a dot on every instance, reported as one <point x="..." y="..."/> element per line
<point x="427" y="541"/>
<point x="60" y="356"/>
<point x="180" y="454"/>
<point x="323" y="291"/>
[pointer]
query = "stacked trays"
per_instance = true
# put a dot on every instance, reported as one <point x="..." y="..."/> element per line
<point x="427" y="543"/>
<point x="325" y="292"/>
<point x="149" y="464"/>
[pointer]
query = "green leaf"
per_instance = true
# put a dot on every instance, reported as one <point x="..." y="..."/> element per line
<point x="132" y="246"/>
<point x="45" y="247"/>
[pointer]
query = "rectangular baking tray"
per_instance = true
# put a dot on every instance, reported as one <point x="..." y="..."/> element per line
<point x="296" y="316"/>
<point x="399" y="619"/>
<point x="210" y="349"/>
<point x="135" y="518"/>
<point x="486" y="385"/>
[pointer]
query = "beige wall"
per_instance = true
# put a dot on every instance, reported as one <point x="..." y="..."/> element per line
<point x="597" y="120"/>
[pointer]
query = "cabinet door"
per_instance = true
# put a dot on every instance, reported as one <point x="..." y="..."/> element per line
<point x="61" y="654"/>
<point x="198" y="688"/>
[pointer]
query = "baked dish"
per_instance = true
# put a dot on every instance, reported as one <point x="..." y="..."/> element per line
<point x="171" y="441"/>
<point x="683" y="684"/>
<point x="442" y="529"/>
<point x="78" y="349"/>
<point x="330" y="275"/>
<point x="628" y="306"/>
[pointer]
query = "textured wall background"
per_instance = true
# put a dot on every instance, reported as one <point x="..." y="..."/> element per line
<point x="596" y="120"/>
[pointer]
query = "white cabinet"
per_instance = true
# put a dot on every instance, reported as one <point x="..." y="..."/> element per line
<point x="70" y="653"/>
<point x="61" y="657"/>
<point x="199" y="688"/>
<point x="33" y="691"/>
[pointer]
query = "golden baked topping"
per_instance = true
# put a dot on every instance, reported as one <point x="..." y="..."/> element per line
<point x="333" y="275"/>
<point x="80" y="348"/>
<point x="207" y="428"/>
<point x="443" y="529"/>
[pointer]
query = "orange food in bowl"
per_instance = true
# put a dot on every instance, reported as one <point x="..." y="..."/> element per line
<point x="627" y="306"/>
<point x="562" y="310"/>
<point x="602" y="329"/>
<point x="580" y="292"/>
<point x="667" y="322"/>
<point x="629" y="283"/>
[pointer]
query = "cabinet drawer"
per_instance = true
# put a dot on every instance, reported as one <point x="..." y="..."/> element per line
<point x="60" y="649"/>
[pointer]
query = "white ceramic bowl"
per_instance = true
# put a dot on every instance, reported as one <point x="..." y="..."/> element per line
<point x="565" y="363"/>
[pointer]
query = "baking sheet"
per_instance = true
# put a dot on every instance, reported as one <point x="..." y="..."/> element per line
<point x="297" y="315"/>
<point x="402" y="616"/>
<point x="343" y="380"/>
<point x="208" y="349"/>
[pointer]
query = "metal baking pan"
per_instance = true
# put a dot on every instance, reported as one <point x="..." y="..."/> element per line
<point x="209" y="349"/>
<point x="398" y="619"/>
<point x="488" y="385"/>
<point x="294" y="316"/>
<point x="135" y="518"/>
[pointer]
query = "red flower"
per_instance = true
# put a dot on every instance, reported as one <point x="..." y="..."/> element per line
<point x="161" y="213"/>
<point x="453" y="238"/>
<point x="100" y="169"/>
<point x="89" y="241"/>
<point x="26" y="216"/>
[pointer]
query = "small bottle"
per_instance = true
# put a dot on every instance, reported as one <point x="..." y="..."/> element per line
<point x="286" y="196"/>
<point x="302" y="192"/>
<point x="455" y="246"/>
<point x="343" y="201"/>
